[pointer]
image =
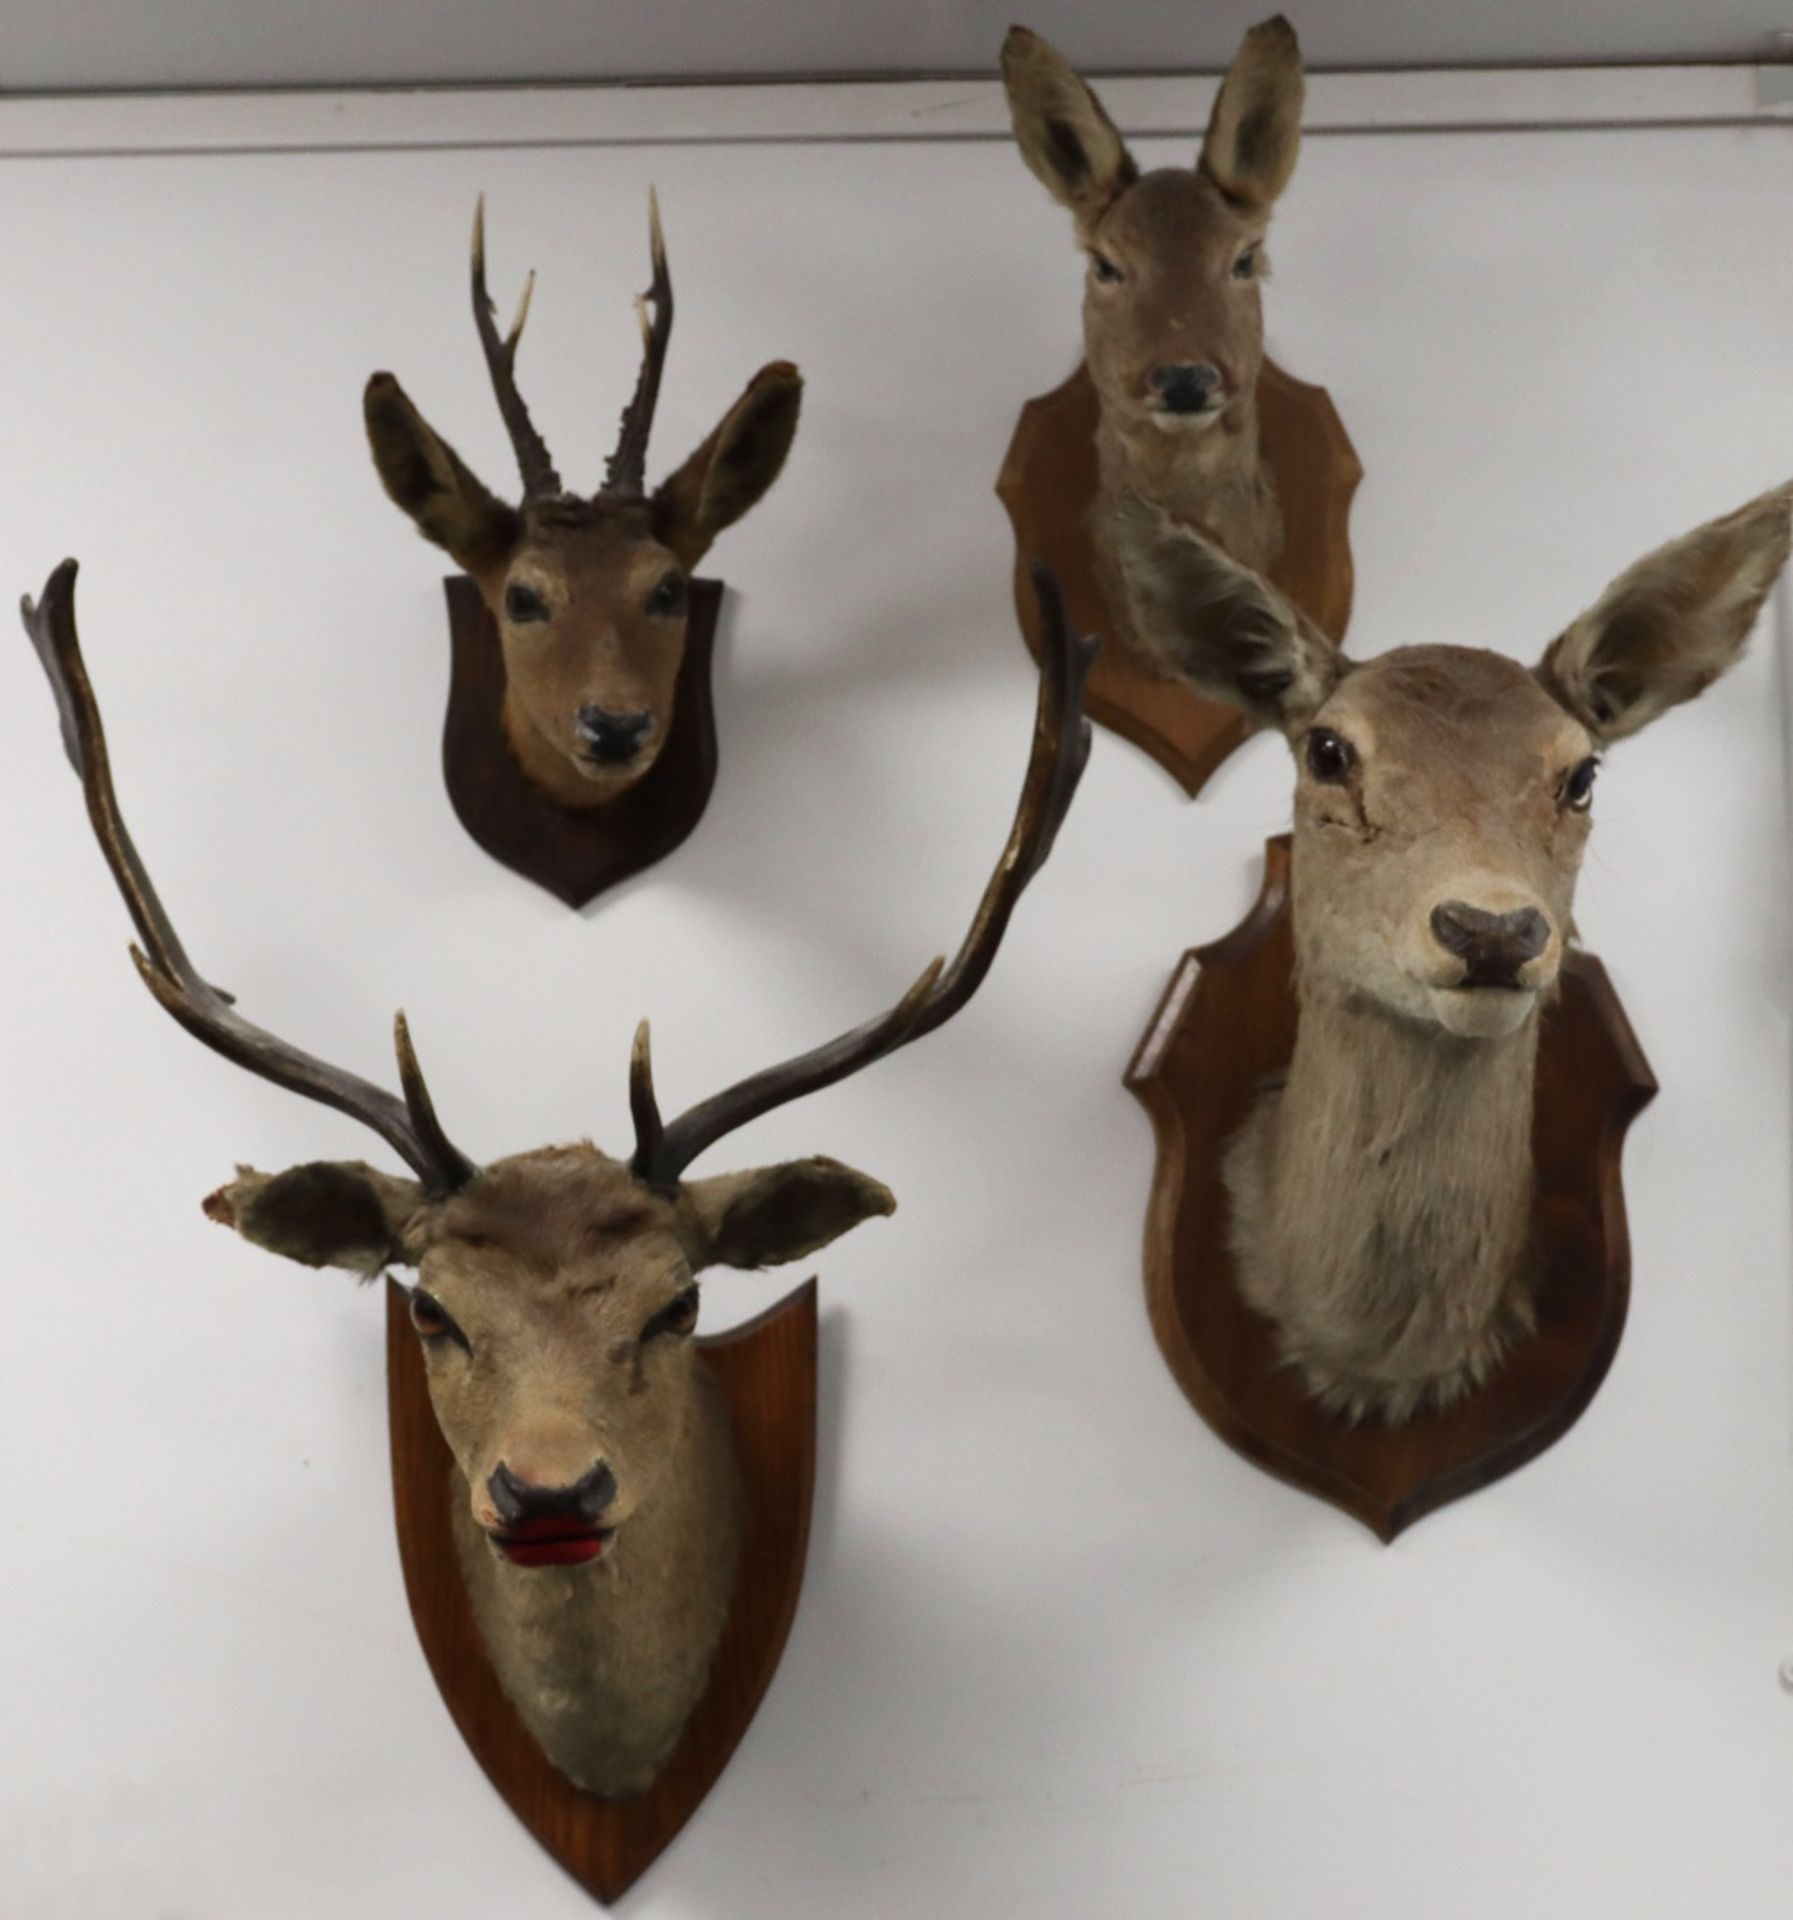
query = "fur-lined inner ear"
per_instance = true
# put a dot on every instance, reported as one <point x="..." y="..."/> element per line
<point x="1670" y="625"/>
<point x="772" y="1214"/>
<point x="427" y="479"/>
<point x="1254" y="132"/>
<point x="1201" y="617"/>
<point x="733" y="468"/>
<point x="1062" y="129"/>
<point x="326" y="1213"/>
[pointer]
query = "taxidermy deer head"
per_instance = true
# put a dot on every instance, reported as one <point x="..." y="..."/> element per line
<point x="555" y="1291"/>
<point x="589" y="594"/>
<point x="1173" y="326"/>
<point x="1382" y="1197"/>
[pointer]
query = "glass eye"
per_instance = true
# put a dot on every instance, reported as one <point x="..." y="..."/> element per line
<point x="432" y="1321"/>
<point x="524" y="604"/>
<point x="669" y="595"/>
<point x="1578" y="785"/>
<point x="1246" y="266"/>
<point x="1104" y="269"/>
<point x="1330" y="757"/>
<point x="678" y="1317"/>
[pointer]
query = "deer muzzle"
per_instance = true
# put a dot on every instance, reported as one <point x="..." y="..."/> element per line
<point x="542" y="1526"/>
<point x="1495" y="948"/>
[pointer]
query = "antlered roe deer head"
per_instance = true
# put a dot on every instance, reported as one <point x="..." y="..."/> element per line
<point x="1382" y="1198"/>
<point x="1173" y="324"/>
<point x="556" y="1290"/>
<point x="588" y="593"/>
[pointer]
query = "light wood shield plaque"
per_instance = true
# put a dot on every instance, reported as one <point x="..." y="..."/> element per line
<point x="767" y="1372"/>
<point x="1048" y="483"/>
<point x="1228" y="1020"/>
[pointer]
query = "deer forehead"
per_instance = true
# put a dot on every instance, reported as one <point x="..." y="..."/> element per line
<point x="558" y="1224"/>
<point x="1452" y="715"/>
<point x="586" y="554"/>
<point x="1174" y="219"/>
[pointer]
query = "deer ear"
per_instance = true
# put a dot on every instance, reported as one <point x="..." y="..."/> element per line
<point x="773" y="1214"/>
<point x="1669" y="626"/>
<point x="733" y="467"/>
<point x="1202" y="618"/>
<point x="1254" y="132"/>
<point x="1064" y="133"/>
<point x="428" y="479"/>
<point x="327" y="1213"/>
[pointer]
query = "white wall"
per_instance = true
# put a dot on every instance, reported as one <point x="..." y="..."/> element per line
<point x="1060" y="1654"/>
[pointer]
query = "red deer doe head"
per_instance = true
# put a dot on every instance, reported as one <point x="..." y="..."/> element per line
<point x="1382" y="1198"/>
<point x="556" y="1290"/>
<point x="1173" y="325"/>
<point x="589" y="593"/>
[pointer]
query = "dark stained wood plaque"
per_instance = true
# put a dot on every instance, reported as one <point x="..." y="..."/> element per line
<point x="574" y="853"/>
<point x="1048" y="482"/>
<point x="1227" y="1020"/>
<point x="767" y="1372"/>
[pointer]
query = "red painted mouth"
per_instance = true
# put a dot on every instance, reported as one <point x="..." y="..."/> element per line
<point x="552" y="1543"/>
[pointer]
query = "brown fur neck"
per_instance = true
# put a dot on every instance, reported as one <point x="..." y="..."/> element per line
<point x="605" y="1662"/>
<point x="1382" y="1204"/>
<point x="1213" y="479"/>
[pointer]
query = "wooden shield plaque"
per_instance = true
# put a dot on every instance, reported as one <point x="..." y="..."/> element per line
<point x="1227" y="1020"/>
<point x="574" y="853"/>
<point x="1048" y="484"/>
<point x="767" y="1373"/>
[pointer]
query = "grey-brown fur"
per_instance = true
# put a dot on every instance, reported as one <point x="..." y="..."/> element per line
<point x="1382" y="1196"/>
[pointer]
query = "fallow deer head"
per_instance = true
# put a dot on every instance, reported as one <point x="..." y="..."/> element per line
<point x="588" y="592"/>
<point x="1173" y="327"/>
<point x="556" y="1289"/>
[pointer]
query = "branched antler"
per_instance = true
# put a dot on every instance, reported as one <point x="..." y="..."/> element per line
<point x="625" y="472"/>
<point x="1060" y="749"/>
<point x="540" y="481"/>
<point x="410" y="1126"/>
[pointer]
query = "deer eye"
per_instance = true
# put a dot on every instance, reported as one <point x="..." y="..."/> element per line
<point x="1246" y="266"/>
<point x="433" y="1322"/>
<point x="1330" y="757"/>
<point x="1104" y="269"/>
<point x="668" y="596"/>
<point x="678" y="1317"/>
<point x="524" y="604"/>
<point x="1577" y="792"/>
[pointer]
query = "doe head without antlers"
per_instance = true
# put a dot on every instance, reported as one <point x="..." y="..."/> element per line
<point x="1173" y="325"/>
<point x="588" y="592"/>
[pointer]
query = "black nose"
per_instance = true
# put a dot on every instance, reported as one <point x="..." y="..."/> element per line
<point x="1492" y="946"/>
<point x="518" y="1500"/>
<point x="1185" y="389"/>
<point x="613" y="737"/>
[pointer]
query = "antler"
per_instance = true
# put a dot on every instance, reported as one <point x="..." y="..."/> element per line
<point x="1061" y="744"/>
<point x="540" y="481"/>
<point x="625" y="472"/>
<point x="410" y="1126"/>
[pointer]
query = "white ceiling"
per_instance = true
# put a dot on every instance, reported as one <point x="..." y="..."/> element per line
<point x="105" y="44"/>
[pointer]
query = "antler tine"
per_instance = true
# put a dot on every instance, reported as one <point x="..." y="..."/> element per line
<point x="625" y="472"/>
<point x="1061" y="746"/>
<point x="540" y="481"/>
<point x="409" y="1127"/>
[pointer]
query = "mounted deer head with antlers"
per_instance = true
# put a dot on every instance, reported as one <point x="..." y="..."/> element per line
<point x="588" y="593"/>
<point x="556" y="1290"/>
<point x="1173" y="324"/>
<point x="1382" y="1198"/>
